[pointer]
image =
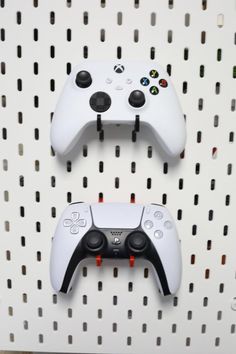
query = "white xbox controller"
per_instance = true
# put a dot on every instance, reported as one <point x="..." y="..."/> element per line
<point x="115" y="92"/>
<point x="116" y="230"/>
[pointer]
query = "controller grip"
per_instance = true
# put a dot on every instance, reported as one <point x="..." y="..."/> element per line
<point x="68" y="277"/>
<point x="154" y="258"/>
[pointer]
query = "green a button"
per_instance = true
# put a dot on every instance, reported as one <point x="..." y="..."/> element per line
<point x="154" y="90"/>
<point x="154" y="74"/>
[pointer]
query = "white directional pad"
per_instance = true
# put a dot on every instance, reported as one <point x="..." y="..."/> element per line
<point x="81" y="223"/>
<point x="67" y="222"/>
<point x="74" y="229"/>
<point x="74" y="216"/>
<point x="74" y="223"/>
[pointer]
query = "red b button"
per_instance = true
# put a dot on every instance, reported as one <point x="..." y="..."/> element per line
<point x="163" y="83"/>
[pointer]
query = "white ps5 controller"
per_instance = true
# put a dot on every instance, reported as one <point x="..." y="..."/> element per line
<point x="116" y="230"/>
<point x="117" y="92"/>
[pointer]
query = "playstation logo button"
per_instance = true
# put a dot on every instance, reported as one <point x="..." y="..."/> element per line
<point x="119" y="68"/>
<point x="116" y="241"/>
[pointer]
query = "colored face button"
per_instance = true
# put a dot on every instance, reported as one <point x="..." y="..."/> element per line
<point x="163" y="83"/>
<point x="144" y="81"/>
<point x="154" y="74"/>
<point x="154" y="90"/>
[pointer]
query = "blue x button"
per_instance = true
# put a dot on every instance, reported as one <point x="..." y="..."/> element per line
<point x="145" y="81"/>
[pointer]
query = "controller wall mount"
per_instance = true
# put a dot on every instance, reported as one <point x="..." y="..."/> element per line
<point x="115" y="308"/>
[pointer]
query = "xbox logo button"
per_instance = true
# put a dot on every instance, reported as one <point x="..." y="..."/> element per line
<point x="119" y="68"/>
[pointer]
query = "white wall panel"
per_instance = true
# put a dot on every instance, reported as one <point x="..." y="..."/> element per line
<point x="116" y="309"/>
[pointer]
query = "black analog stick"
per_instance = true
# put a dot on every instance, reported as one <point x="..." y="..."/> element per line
<point x="83" y="79"/>
<point x="94" y="240"/>
<point x="137" y="241"/>
<point x="136" y="98"/>
<point x="100" y="101"/>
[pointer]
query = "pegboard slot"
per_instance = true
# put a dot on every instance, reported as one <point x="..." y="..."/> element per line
<point x="117" y="308"/>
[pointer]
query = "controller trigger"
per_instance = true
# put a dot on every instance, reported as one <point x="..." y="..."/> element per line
<point x="131" y="261"/>
<point x="98" y="260"/>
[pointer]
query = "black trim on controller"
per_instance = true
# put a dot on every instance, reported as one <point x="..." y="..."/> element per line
<point x="121" y="251"/>
<point x="77" y="256"/>
<point x="156" y="262"/>
<point x="75" y="203"/>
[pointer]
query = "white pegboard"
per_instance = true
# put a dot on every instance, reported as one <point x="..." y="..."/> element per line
<point x="116" y="309"/>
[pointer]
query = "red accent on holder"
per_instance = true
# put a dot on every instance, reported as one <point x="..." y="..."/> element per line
<point x="98" y="260"/>
<point x="132" y="198"/>
<point x="131" y="261"/>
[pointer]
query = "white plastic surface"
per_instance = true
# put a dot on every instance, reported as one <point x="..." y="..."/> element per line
<point x="117" y="215"/>
<point x="155" y="220"/>
<point x="161" y="112"/>
<point x="117" y="309"/>
<point x="159" y="226"/>
<point x="66" y="239"/>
